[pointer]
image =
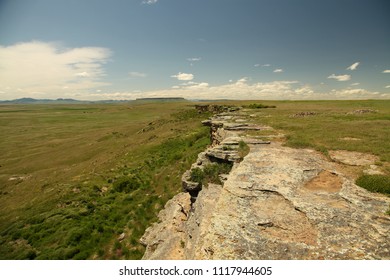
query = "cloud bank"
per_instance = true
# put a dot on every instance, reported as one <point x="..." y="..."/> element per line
<point x="38" y="68"/>
<point x="242" y="89"/>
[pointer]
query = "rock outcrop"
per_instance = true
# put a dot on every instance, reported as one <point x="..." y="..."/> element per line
<point x="277" y="203"/>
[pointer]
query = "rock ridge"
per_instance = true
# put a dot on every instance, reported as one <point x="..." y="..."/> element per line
<point x="276" y="203"/>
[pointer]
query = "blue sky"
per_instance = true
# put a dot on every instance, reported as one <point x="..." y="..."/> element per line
<point x="238" y="49"/>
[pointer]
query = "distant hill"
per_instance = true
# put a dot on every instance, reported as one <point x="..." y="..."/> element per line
<point x="161" y="99"/>
<point x="27" y="100"/>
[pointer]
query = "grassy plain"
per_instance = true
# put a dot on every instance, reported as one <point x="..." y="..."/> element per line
<point x="74" y="178"/>
<point x="84" y="181"/>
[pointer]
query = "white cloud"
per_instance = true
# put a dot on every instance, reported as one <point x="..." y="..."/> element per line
<point x="82" y="74"/>
<point x="149" y="2"/>
<point x="386" y="71"/>
<point x="183" y="76"/>
<point x="242" y="80"/>
<point x="135" y="74"/>
<point x="388" y="86"/>
<point x="278" y="70"/>
<point x="49" y="69"/>
<point x="340" y="78"/>
<point x="193" y="59"/>
<point x="353" y="66"/>
<point x="355" y="84"/>
<point x="262" y="65"/>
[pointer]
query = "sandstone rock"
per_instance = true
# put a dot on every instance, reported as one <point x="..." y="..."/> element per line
<point x="219" y="153"/>
<point x="121" y="236"/>
<point x="373" y="170"/>
<point x="278" y="203"/>
<point x="353" y="158"/>
<point x="189" y="185"/>
<point x="254" y="141"/>
<point x="164" y="240"/>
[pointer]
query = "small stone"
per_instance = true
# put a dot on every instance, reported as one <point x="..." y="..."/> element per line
<point x="121" y="237"/>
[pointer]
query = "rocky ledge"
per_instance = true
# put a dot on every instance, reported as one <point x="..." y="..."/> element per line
<point x="276" y="203"/>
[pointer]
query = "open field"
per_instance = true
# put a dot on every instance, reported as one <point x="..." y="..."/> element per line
<point x="84" y="181"/>
<point x="74" y="178"/>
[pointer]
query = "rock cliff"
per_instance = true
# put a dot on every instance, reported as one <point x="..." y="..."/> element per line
<point x="276" y="203"/>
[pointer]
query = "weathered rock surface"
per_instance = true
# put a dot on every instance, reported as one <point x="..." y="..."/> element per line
<point x="278" y="203"/>
<point x="353" y="158"/>
<point x="283" y="203"/>
<point x="165" y="240"/>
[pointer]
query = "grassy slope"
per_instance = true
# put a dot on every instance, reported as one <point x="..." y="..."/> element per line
<point x="65" y="162"/>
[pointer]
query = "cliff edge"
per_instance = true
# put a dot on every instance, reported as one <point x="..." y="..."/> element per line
<point x="276" y="203"/>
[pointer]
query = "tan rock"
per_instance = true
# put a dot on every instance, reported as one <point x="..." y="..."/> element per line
<point x="353" y="158"/>
<point x="278" y="203"/>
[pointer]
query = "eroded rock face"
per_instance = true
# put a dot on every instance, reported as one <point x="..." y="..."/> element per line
<point x="165" y="240"/>
<point x="278" y="203"/>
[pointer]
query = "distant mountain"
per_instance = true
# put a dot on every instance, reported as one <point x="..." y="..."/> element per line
<point x="27" y="100"/>
<point x="160" y="99"/>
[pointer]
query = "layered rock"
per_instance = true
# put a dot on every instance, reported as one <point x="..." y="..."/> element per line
<point x="277" y="203"/>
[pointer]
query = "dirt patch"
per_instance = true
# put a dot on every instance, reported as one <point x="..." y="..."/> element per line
<point x="325" y="181"/>
<point x="350" y="139"/>
<point x="303" y="114"/>
<point x="362" y="111"/>
<point x="353" y="158"/>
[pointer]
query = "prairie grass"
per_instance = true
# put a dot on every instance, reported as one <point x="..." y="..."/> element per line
<point x="87" y="174"/>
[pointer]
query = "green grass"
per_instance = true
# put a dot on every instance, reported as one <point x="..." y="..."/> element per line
<point x="90" y="174"/>
<point x="210" y="173"/>
<point x="375" y="183"/>
<point x="243" y="149"/>
<point x="258" y="106"/>
<point x="331" y="125"/>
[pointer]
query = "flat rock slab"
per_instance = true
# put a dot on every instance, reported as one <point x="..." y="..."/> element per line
<point x="353" y="158"/>
<point x="283" y="203"/>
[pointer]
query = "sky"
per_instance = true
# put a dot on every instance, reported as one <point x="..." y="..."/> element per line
<point x="196" y="49"/>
